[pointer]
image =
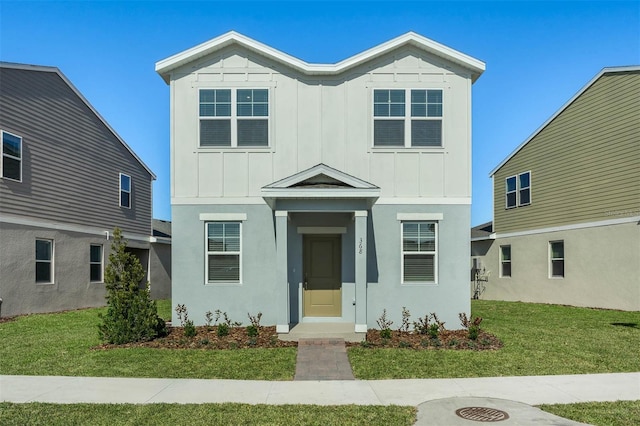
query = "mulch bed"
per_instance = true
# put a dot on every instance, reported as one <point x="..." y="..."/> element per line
<point x="207" y="338"/>
<point x="447" y="339"/>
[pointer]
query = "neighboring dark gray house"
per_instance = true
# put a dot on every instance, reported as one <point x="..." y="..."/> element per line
<point x="160" y="261"/>
<point x="66" y="180"/>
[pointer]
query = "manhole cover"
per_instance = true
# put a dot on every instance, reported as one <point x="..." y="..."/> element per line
<point x="482" y="414"/>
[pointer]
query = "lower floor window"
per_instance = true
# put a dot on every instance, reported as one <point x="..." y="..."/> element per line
<point x="556" y="252"/>
<point x="419" y="252"/>
<point x="505" y="261"/>
<point x="223" y="249"/>
<point x="95" y="263"/>
<point x="44" y="261"/>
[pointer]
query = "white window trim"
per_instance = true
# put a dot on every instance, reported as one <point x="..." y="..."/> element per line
<point x="101" y="280"/>
<point x="508" y="261"/>
<point x="519" y="203"/>
<point x="207" y="253"/>
<point x="130" y="191"/>
<point x="551" y="259"/>
<point x="51" y="262"/>
<point x="407" y="118"/>
<point x="2" y="155"/>
<point x="435" y="254"/>
<point x="234" y="119"/>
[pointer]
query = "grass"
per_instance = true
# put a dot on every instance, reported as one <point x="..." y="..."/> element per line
<point x="538" y="340"/>
<point x="619" y="413"/>
<point x="203" y="414"/>
<point x="60" y="344"/>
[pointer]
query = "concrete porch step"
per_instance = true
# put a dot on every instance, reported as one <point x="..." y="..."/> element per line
<point x="323" y="330"/>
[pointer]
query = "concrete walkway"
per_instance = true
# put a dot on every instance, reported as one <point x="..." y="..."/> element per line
<point x="438" y="400"/>
<point x="322" y="359"/>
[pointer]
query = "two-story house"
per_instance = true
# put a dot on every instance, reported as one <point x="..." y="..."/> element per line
<point x="566" y="224"/>
<point x="66" y="180"/>
<point x="320" y="192"/>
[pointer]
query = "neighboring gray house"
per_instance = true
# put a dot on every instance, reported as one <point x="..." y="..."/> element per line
<point x="321" y="192"/>
<point x="566" y="225"/>
<point x="66" y="180"/>
<point x="160" y="259"/>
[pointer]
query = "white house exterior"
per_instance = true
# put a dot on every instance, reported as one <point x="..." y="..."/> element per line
<point x="320" y="192"/>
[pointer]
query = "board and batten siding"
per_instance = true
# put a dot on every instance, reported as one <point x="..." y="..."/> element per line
<point x="314" y="120"/>
<point x="585" y="164"/>
<point x="71" y="160"/>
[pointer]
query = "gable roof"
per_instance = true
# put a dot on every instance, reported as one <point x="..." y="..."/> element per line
<point x="166" y="66"/>
<point x="564" y="107"/>
<point x="320" y="182"/>
<point x="55" y="70"/>
<point x="482" y="232"/>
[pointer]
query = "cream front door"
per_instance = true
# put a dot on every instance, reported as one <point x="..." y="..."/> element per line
<point x="322" y="289"/>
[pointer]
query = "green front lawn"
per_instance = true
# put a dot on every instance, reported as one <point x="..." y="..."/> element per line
<point x="538" y="340"/>
<point x="60" y="345"/>
<point x="619" y="413"/>
<point x="203" y="414"/>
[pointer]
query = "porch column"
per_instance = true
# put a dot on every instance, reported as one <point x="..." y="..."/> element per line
<point x="282" y="282"/>
<point x="361" y="270"/>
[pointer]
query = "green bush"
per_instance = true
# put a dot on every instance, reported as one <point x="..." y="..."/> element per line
<point x="252" y="330"/>
<point x="131" y="314"/>
<point x="189" y="329"/>
<point x="223" y="329"/>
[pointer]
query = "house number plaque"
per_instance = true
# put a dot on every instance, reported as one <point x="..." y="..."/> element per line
<point x="360" y="246"/>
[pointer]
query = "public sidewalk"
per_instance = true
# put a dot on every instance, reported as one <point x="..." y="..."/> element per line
<point x="531" y="390"/>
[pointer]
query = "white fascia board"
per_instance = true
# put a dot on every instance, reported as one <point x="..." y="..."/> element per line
<point x="165" y="66"/>
<point x="319" y="193"/>
<point x="562" y="108"/>
<point x="83" y="99"/>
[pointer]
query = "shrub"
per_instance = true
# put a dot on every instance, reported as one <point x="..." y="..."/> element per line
<point x="131" y="314"/>
<point x="252" y="330"/>
<point x="404" y="327"/>
<point x="189" y="329"/>
<point x="434" y="330"/>
<point x="474" y="330"/>
<point x="472" y="326"/>
<point x="385" y="325"/>
<point x="223" y="330"/>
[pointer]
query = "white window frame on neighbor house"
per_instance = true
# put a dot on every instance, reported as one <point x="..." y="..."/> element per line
<point x="48" y="261"/>
<point x="232" y="112"/>
<point x="517" y="190"/>
<point x="504" y="261"/>
<point x="428" y="252"/>
<point x="409" y="112"/>
<point x="224" y="252"/>
<point x="553" y="259"/>
<point x="10" y="156"/>
<point x="99" y="263"/>
<point x="124" y="191"/>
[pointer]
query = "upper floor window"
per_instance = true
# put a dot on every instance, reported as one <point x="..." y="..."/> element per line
<point x="417" y="123"/>
<point x="518" y="190"/>
<point x="234" y="118"/>
<point x="125" y="191"/>
<point x="11" y="156"/>
<point x="419" y="252"/>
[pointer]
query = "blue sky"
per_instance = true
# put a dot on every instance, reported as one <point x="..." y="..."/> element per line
<point x="538" y="55"/>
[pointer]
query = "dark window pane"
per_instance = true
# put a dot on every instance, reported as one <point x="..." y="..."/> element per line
<point x="260" y="95"/>
<point x="506" y="269"/>
<point x="253" y="133"/>
<point x="245" y="110"/>
<point x="524" y="180"/>
<point x="207" y="110"/>
<point x="434" y="110"/>
<point x="43" y="250"/>
<point x="380" y="96"/>
<point x="11" y="168"/>
<point x="95" y="254"/>
<point x="223" y="95"/>
<point x="223" y="110"/>
<point x="125" y="199"/>
<point x="419" y="268"/>
<point x="207" y="96"/>
<point x="557" y="250"/>
<point x="224" y="268"/>
<point x="43" y="272"/>
<point x="381" y="110"/>
<point x="396" y="110"/>
<point x="388" y="133"/>
<point x="95" y="272"/>
<point x="506" y="253"/>
<point x="244" y="95"/>
<point x="260" y="110"/>
<point x="418" y="110"/>
<point x="125" y="183"/>
<point x="396" y="96"/>
<point x="11" y="145"/>
<point x="511" y="184"/>
<point x="418" y="96"/>
<point x="434" y="96"/>
<point x="511" y="199"/>
<point x="557" y="268"/>
<point x="215" y="132"/>
<point x="525" y="196"/>
<point x="426" y="133"/>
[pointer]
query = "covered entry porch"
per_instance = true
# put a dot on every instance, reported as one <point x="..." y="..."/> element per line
<point x="321" y="227"/>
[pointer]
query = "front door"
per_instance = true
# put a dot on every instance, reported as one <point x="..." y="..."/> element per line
<point x="322" y="289"/>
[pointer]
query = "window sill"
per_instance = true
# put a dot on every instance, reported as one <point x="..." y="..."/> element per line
<point x="420" y="284"/>
<point x="407" y="148"/>
<point x="222" y="284"/>
<point x="45" y="284"/>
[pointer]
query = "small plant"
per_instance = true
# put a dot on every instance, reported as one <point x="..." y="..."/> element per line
<point x="252" y="341"/>
<point x="222" y="329"/>
<point x="434" y="330"/>
<point x="365" y="344"/>
<point x="252" y="330"/>
<point x="424" y="343"/>
<point x="474" y="330"/>
<point x="385" y="325"/>
<point x="273" y="340"/>
<point x="233" y="345"/>
<point x="189" y="329"/>
<point x="204" y="342"/>
<point x="384" y="341"/>
<point x="183" y="315"/>
<point x="422" y="325"/>
<point x="404" y="327"/>
<point x="436" y="342"/>
<point x="404" y="344"/>
<point x="208" y="317"/>
<point x="230" y="323"/>
<point x="473" y="326"/>
<point x="453" y="343"/>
